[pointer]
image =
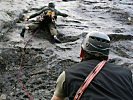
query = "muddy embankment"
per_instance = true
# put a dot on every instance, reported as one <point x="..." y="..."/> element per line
<point x="43" y="60"/>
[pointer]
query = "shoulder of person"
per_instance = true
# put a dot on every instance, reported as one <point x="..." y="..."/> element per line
<point x="116" y="66"/>
<point x="56" y="10"/>
<point x="45" y="8"/>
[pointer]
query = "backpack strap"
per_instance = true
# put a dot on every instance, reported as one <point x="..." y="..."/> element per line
<point x="89" y="78"/>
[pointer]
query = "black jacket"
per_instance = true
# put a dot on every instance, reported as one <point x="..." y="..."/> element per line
<point x="112" y="82"/>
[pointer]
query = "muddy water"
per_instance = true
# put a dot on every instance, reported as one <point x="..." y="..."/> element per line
<point x="44" y="60"/>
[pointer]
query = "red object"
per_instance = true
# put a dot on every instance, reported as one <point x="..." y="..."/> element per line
<point x="89" y="78"/>
<point x="20" y="70"/>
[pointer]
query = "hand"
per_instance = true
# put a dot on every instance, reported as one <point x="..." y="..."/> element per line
<point x="39" y="18"/>
<point x="27" y="18"/>
<point x="65" y="15"/>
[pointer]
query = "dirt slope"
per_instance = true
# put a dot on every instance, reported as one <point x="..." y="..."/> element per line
<point x="43" y="60"/>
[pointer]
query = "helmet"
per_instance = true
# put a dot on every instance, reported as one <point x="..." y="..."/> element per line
<point x="51" y="4"/>
<point x="96" y="43"/>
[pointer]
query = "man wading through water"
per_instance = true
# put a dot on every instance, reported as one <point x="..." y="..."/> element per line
<point x="111" y="83"/>
<point x="46" y="16"/>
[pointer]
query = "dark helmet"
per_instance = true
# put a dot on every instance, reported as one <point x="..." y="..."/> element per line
<point x="96" y="43"/>
<point x="51" y="4"/>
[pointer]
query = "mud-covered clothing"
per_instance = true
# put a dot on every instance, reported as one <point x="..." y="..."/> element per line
<point x="57" y="13"/>
<point x="112" y="83"/>
<point x="51" y="24"/>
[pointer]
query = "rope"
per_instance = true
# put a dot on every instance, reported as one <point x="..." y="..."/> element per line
<point x="89" y="78"/>
<point x="20" y="69"/>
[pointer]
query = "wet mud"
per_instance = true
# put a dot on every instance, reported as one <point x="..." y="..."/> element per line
<point x="43" y="60"/>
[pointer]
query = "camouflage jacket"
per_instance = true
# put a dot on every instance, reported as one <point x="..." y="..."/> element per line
<point x="45" y="9"/>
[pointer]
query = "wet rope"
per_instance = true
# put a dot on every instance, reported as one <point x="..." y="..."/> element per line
<point x="89" y="78"/>
<point x="20" y="69"/>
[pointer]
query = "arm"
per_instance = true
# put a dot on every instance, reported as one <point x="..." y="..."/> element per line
<point x="36" y="14"/>
<point x="61" y="14"/>
<point x="59" y="93"/>
<point x="41" y="8"/>
<point x="57" y="98"/>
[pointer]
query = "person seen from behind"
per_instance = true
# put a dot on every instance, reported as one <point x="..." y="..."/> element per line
<point x="112" y="82"/>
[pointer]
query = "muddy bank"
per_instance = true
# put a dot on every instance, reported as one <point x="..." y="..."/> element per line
<point x="11" y="11"/>
<point x="44" y="60"/>
<point x="40" y="68"/>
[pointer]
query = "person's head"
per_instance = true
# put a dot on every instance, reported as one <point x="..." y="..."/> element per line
<point x="51" y="5"/>
<point x="95" y="46"/>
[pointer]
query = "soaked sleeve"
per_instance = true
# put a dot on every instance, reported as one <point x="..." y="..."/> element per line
<point x="58" y="13"/>
<point x="59" y="85"/>
<point x="38" y="13"/>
